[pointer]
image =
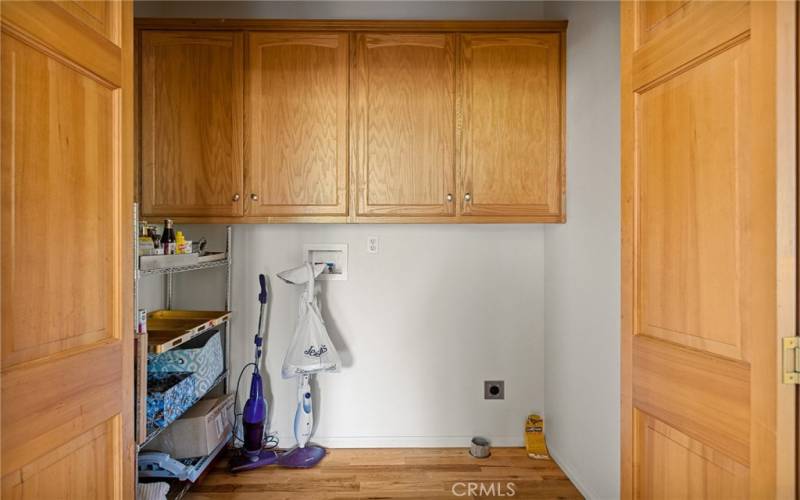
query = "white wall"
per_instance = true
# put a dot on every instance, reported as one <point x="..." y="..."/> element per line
<point x="582" y="260"/>
<point x="420" y="326"/>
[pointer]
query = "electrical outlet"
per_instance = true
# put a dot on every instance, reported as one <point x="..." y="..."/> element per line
<point x="494" y="389"/>
<point x="372" y="244"/>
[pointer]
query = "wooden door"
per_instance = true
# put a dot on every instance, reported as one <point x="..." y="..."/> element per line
<point x="66" y="353"/>
<point x="511" y="100"/>
<point x="191" y="123"/>
<point x="296" y="143"/>
<point x="708" y="255"/>
<point x="403" y="123"/>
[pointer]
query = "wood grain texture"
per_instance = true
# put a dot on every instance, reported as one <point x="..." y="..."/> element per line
<point x="296" y="144"/>
<point x="103" y="17"/>
<point x="709" y="252"/>
<point x="403" y="127"/>
<point x="627" y="249"/>
<point x="191" y="119"/>
<point x="427" y="473"/>
<point x="667" y="384"/>
<point x="66" y="359"/>
<point x="692" y="255"/>
<point x="673" y="465"/>
<point x="381" y="25"/>
<point x="704" y="27"/>
<point x="511" y="147"/>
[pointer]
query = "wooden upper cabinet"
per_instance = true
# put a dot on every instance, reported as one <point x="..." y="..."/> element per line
<point x="511" y="148"/>
<point x="405" y="121"/>
<point x="296" y="139"/>
<point x="403" y="124"/>
<point x="191" y="123"/>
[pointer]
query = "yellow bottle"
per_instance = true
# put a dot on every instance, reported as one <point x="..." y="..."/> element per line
<point x="180" y="242"/>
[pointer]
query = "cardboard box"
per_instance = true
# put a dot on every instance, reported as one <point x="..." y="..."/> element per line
<point x="199" y="431"/>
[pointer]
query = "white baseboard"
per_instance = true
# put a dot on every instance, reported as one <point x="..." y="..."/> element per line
<point x="571" y="473"/>
<point x="412" y="441"/>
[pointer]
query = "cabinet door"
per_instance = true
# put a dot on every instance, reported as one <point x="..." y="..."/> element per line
<point x="297" y="124"/>
<point x="511" y="97"/>
<point x="403" y="124"/>
<point x="191" y="122"/>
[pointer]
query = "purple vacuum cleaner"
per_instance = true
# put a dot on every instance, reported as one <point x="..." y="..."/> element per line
<point x="252" y="454"/>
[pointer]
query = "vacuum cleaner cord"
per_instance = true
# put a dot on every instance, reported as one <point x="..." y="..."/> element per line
<point x="271" y="440"/>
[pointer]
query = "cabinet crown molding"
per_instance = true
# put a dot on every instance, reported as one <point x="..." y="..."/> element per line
<point x="147" y="23"/>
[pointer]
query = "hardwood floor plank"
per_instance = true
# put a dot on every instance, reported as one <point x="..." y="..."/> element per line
<point x="396" y="473"/>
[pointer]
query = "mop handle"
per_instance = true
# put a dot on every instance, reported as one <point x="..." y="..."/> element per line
<point x="262" y="320"/>
<point x="262" y="297"/>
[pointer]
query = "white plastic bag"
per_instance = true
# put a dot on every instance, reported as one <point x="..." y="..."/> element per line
<point x="311" y="350"/>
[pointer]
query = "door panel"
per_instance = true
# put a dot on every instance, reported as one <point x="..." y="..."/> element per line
<point x="76" y="296"/>
<point x="297" y="124"/>
<point x="511" y="100"/>
<point x="66" y="349"/>
<point x="694" y="229"/>
<point x="403" y="123"/>
<point x="84" y="467"/>
<point x="103" y="17"/>
<point x="192" y="123"/>
<point x="673" y="466"/>
<point x="703" y="412"/>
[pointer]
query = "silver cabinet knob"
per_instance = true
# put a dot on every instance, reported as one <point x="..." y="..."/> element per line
<point x="467" y="197"/>
<point x="253" y="196"/>
<point x="236" y="197"/>
<point x="449" y="197"/>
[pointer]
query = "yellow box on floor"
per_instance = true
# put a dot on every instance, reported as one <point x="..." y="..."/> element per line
<point x="534" y="437"/>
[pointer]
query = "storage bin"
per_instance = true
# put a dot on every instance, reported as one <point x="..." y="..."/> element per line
<point x="201" y="356"/>
<point x="169" y="394"/>
<point x="199" y="431"/>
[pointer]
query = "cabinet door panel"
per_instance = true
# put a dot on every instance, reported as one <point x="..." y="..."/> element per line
<point x="191" y="123"/>
<point x="511" y="89"/>
<point x="297" y="124"/>
<point x="403" y="123"/>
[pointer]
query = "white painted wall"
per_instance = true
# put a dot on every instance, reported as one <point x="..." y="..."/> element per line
<point x="582" y="260"/>
<point x="419" y="325"/>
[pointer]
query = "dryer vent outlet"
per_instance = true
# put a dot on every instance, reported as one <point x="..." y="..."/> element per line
<point x="494" y="389"/>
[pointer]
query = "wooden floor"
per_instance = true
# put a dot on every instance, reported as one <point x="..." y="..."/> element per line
<point x="407" y="473"/>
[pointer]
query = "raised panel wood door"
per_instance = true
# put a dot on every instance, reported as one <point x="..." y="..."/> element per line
<point x="66" y="353"/>
<point x="511" y="99"/>
<point x="403" y="124"/>
<point x="296" y="139"/>
<point x="708" y="249"/>
<point x="191" y="123"/>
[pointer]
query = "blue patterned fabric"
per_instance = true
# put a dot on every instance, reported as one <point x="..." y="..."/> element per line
<point x="169" y="394"/>
<point x="204" y="361"/>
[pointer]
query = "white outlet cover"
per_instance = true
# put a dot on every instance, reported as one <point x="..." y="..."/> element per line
<point x="373" y="244"/>
<point x="334" y="254"/>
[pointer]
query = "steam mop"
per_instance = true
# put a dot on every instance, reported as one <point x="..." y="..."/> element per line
<point x="311" y="352"/>
<point x="254" y="416"/>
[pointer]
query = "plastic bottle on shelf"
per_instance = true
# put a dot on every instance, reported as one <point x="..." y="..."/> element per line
<point x="182" y="245"/>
